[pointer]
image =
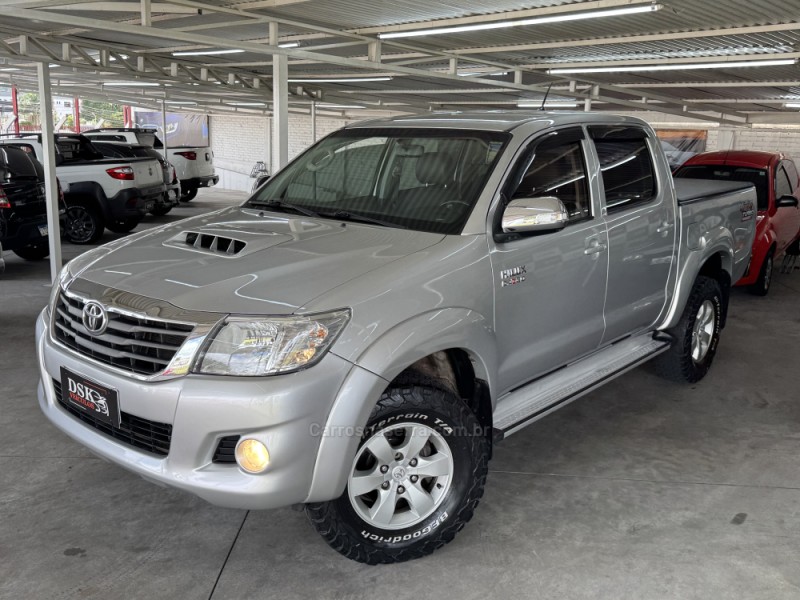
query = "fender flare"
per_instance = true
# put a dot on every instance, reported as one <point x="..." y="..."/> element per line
<point x="88" y="189"/>
<point x="694" y="263"/>
<point x="381" y="362"/>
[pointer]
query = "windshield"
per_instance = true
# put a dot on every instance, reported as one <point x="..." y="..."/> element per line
<point x="757" y="177"/>
<point x="426" y="180"/>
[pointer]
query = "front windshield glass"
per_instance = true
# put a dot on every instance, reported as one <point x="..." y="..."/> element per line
<point x="427" y="180"/>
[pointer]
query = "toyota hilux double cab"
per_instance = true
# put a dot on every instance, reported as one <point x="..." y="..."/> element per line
<point x="777" y="184"/>
<point x="405" y="294"/>
<point x="193" y="164"/>
<point x="99" y="192"/>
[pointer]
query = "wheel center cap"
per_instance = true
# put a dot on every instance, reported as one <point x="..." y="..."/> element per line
<point x="398" y="473"/>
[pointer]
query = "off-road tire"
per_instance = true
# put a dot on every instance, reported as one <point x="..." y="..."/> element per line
<point x="91" y="219"/>
<point x="762" y="284"/>
<point x="123" y="226"/>
<point x="677" y="363"/>
<point x="33" y="252"/>
<point x="347" y="533"/>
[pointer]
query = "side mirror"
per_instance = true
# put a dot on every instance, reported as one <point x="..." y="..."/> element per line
<point x="787" y="201"/>
<point x="528" y="215"/>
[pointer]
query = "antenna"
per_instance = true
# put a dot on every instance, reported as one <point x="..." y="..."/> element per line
<point x="546" y="94"/>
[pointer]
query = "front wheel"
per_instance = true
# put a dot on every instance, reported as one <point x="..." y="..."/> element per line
<point x="416" y="479"/>
<point x="696" y="335"/>
<point x="761" y="286"/>
<point x="33" y="252"/>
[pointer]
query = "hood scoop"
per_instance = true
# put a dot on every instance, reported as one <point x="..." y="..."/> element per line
<point x="207" y="242"/>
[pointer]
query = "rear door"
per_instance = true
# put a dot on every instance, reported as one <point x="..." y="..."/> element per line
<point x="639" y="212"/>
<point x="146" y="172"/>
<point x="550" y="287"/>
<point x="22" y="180"/>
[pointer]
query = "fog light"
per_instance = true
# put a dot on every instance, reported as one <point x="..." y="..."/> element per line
<point x="252" y="455"/>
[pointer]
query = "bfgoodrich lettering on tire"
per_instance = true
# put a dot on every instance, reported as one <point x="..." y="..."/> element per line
<point x="696" y="335"/>
<point x="415" y="482"/>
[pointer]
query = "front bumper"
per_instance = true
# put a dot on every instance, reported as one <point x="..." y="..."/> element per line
<point x="285" y="412"/>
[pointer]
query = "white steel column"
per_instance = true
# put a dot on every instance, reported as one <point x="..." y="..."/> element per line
<point x="280" y="104"/>
<point x="313" y="121"/>
<point x="164" y="127"/>
<point x="50" y="184"/>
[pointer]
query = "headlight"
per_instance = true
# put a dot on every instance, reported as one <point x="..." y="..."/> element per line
<point x="249" y="346"/>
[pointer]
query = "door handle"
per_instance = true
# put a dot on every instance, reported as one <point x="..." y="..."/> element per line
<point x="665" y="227"/>
<point x="593" y="246"/>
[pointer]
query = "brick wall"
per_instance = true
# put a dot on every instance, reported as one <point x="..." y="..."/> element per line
<point x="239" y="141"/>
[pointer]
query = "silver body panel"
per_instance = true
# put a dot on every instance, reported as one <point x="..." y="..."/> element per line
<point x="411" y="294"/>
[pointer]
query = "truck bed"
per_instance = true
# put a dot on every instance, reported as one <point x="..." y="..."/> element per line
<point x="696" y="190"/>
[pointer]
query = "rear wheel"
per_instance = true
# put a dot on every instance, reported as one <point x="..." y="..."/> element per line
<point x="123" y="226"/>
<point x="696" y="335"/>
<point x="416" y="480"/>
<point x="33" y="252"/>
<point x="761" y="286"/>
<point x="189" y="194"/>
<point x="84" y="223"/>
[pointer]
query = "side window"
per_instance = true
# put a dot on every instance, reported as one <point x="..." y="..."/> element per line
<point x="791" y="171"/>
<point x="558" y="169"/>
<point x="625" y="165"/>
<point x="782" y="185"/>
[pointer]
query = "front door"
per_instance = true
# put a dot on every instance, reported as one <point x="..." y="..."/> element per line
<point x="550" y="287"/>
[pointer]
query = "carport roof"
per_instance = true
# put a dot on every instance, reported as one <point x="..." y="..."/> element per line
<point x="100" y="48"/>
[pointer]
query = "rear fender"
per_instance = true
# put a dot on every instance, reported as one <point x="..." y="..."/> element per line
<point x="88" y="191"/>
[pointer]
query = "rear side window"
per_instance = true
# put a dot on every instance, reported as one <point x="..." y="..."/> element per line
<point x="112" y="150"/>
<point x="108" y="138"/>
<point x="626" y="166"/>
<point x="16" y="163"/>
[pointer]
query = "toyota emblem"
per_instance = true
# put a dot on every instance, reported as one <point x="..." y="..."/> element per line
<point x="94" y="317"/>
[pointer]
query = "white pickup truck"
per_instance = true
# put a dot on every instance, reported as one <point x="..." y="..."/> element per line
<point x="194" y="164"/>
<point x="99" y="192"/>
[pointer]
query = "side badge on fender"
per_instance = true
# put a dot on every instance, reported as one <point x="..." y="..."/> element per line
<point x="512" y="276"/>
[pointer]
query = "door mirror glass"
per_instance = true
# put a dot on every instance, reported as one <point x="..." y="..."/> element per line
<point x="528" y="215"/>
<point x="787" y="201"/>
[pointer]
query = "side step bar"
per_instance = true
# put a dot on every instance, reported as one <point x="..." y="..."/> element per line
<point x="530" y="403"/>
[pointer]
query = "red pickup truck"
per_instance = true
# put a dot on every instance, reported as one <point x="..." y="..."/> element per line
<point x="778" y="188"/>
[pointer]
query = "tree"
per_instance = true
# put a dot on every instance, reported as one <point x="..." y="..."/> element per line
<point x="101" y="114"/>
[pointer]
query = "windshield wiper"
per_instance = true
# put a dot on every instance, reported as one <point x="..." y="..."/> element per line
<point x="344" y="215"/>
<point x="281" y="205"/>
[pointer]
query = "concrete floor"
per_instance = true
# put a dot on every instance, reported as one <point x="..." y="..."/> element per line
<point x="641" y="490"/>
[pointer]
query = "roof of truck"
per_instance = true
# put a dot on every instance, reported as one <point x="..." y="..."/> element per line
<point x="499" y="120"/>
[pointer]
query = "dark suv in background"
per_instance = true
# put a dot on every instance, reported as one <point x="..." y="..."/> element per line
<point x="23" y="213"/>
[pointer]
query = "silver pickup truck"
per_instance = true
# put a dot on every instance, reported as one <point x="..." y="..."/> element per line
<point x="359" y="333"/>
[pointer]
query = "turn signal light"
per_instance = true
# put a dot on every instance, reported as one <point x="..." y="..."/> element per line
<point x="252" y="455"/>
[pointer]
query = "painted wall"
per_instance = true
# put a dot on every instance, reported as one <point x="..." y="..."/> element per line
<point x="238" y="142"/>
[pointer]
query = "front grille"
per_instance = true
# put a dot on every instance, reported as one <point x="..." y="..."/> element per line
<point x="150" y="436"/>
<point x="136" y="344"/>
<point x="225" y="449"/>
